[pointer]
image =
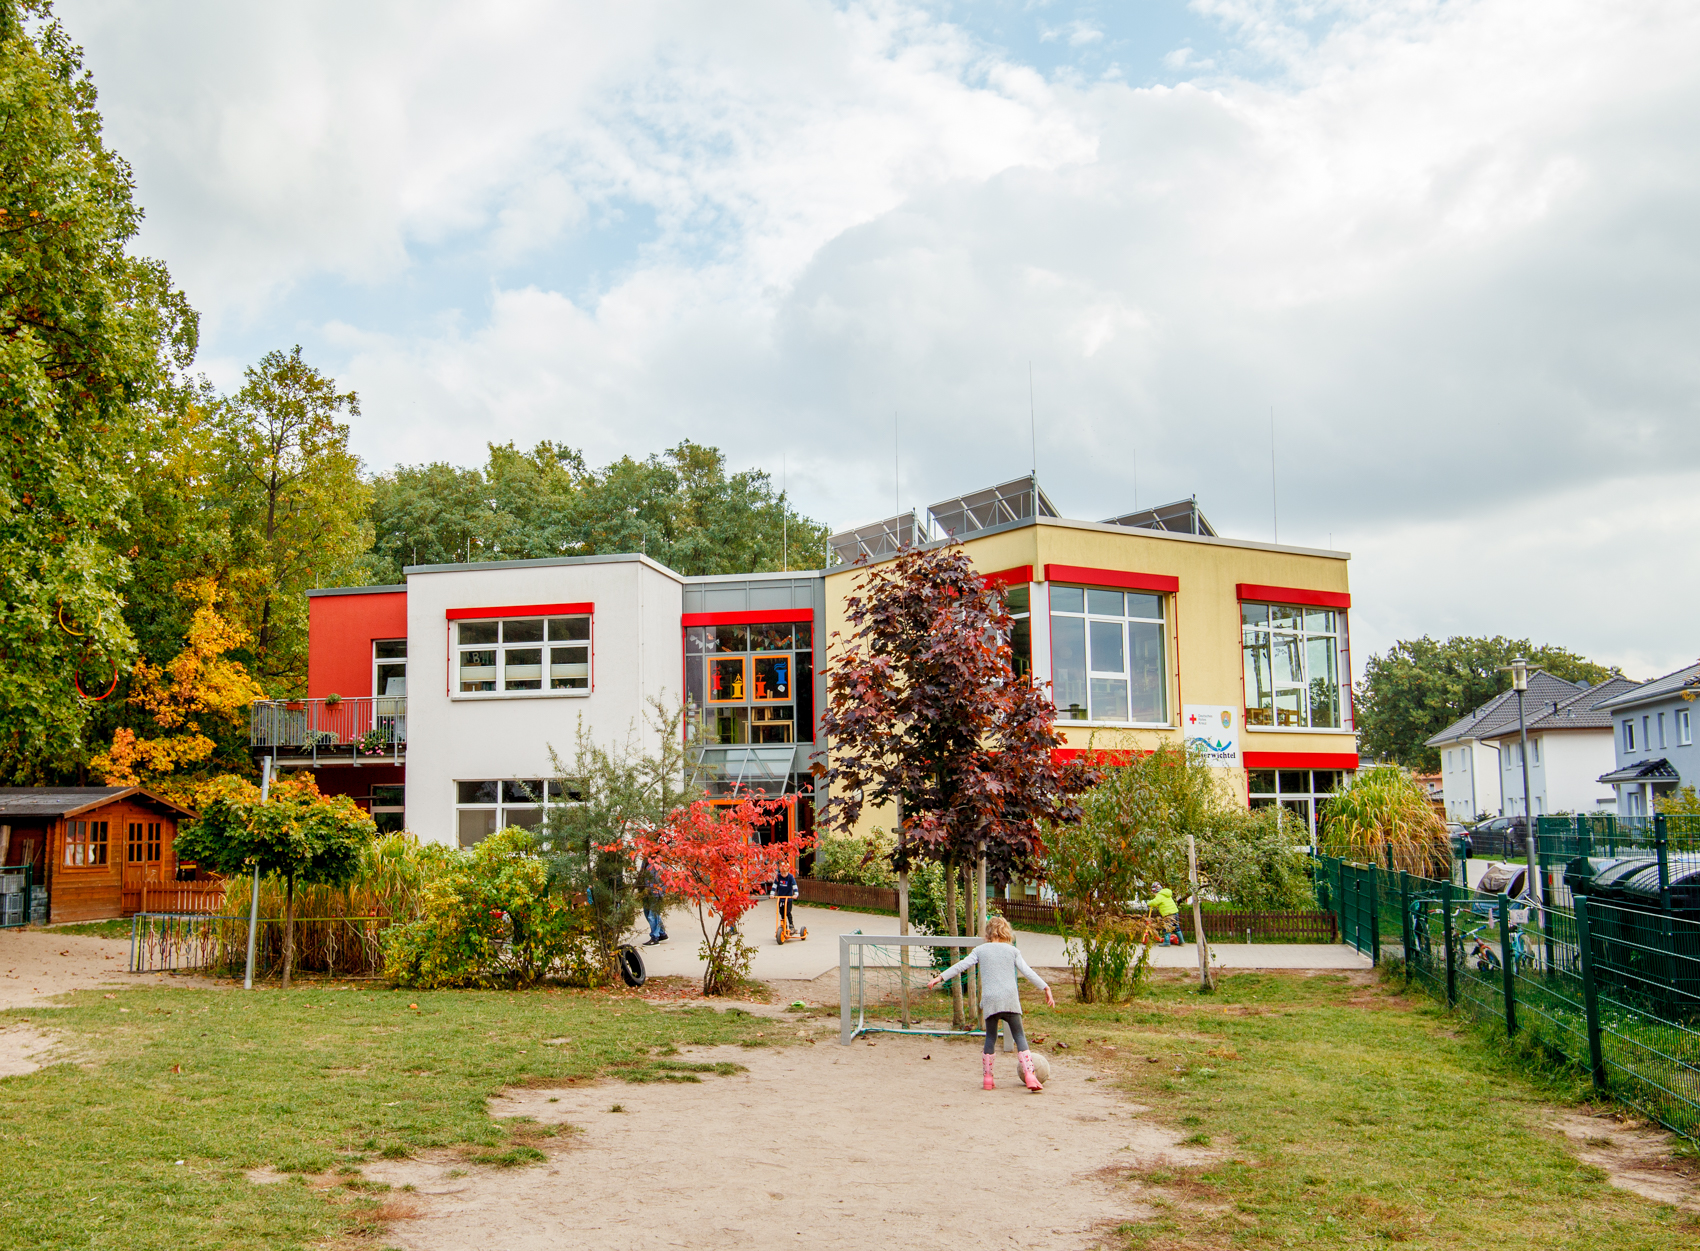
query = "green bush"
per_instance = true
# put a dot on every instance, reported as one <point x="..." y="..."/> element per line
<point x="488" y="917"/>
<point x="856" y="860"/>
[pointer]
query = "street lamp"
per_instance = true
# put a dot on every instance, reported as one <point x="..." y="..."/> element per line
<point x="1519" y="667"/>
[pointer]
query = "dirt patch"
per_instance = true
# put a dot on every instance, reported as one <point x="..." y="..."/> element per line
<point x="820" y="1146"/>
<point x="1634" y="1156"/>
<point x="23" y="1049"/>
<point x="36" y="965"/>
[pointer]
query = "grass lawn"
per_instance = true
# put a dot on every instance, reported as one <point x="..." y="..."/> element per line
<point x="116" y="928"/>
<point x="1349" y="1115"/>
<point x="144" y="1139"/>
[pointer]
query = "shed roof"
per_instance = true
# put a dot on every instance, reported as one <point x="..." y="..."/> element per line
<point x="69" y="801"/>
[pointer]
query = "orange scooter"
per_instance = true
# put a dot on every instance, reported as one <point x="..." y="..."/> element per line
<point x="782" y="931"/>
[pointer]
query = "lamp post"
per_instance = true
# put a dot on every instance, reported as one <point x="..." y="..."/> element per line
<point x="1520" y="683"/>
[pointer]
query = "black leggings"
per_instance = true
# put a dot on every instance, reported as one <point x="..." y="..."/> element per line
<point x="1011" y="1019"/>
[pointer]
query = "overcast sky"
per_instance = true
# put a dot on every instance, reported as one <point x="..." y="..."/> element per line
<point x="1450" y="249"/>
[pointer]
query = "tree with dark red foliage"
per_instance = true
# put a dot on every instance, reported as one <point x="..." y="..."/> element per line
<point x="925" y="714"/>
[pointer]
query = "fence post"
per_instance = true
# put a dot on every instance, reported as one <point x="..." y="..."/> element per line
<point x="1590" y="994"/>
<point x="1506" y="968"/>
<point x="1374" y="915"/>
<point x="1405" y="921"/>
<point x="1340" y="908"/>
<point x="1451" y="955"/>
<point x="1661" y="841"/>
<point x="1547" y="886"/>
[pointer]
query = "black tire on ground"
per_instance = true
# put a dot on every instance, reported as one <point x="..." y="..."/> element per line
<point x="631" y="967"/>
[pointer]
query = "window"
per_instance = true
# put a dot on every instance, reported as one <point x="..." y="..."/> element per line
<point x="537" y="655"/>
<point x="1302" y="791"/>
<point x="1684" y="733"/>
<point x="752" y="683"/>
<point x="389" y="808"/>
<point x="1661" y="731"/>
<point x="136" y="844"/>
<point x="85" y="843"/>
<point x="1646" y="735"/>
<point x="1018" y="599"/>
<point x="1629" y="734"/>
<point x="1107" y="656"/>
<point x="389" y="667"/>
<point x="483" y="807"/>
<point x="1536" y="744"/>
<point x="1292" y="665"/>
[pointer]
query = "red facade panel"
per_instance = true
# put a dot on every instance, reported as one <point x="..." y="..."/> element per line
<point x="1301" y="760"/>
<point x="760" y="616"/>
<point x="340" y="630"/>
<point x="1123" y="578"/>
<point x="1293" y="595"/>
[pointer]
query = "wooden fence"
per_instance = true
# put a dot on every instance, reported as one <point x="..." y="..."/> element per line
<point x="1311" y="927"/>
<point x="200" y="898"/>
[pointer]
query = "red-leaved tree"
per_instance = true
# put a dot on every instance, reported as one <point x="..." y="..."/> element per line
<point x="924" y="713"/>
<point x="709" y="856"/>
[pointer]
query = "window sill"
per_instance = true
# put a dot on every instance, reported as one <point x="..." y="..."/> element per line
<point x="476" y="697"/>
<point x="1292" y="729"/>
<point x="1113" y="725"/>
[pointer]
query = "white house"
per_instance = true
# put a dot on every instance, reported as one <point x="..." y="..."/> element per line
<point x="1570" y="745"/>
<point x="1470" y="766"/>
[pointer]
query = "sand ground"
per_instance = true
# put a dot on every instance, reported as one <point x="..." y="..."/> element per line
<point x="876" y="1144"/>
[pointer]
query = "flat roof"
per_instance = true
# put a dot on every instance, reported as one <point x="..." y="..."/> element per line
<point x="549" y="562"/>
<point x="360" y="590"/>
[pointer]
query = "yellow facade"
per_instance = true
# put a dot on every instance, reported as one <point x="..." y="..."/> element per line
<point x="1202" y="624"/>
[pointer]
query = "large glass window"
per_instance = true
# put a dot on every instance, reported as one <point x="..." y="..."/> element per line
<point x="1292" y="666"/>
<point x="1018" y="599"/>
<point x="752" y="683"/>
<point x="483" y="807"/>
<point x="1303" y="792"/>
<point x="543" y="655"/>
<point x="1107" y="656"/>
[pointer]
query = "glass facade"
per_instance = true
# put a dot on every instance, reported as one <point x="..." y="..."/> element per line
<point x="531" y="654"/>
<point x="1300" y="791"/>
<point x="1107" y="656"/>
<point x="1019" y="601"/>
<point x="752" y="683"/>
<point x="1292" y="666"/>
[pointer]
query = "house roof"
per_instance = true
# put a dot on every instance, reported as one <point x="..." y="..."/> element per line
<point x="1659" y="770"/>
<point x="1658" y="688"/>
<point x="69" y="801"/>
<point x="1501" y="711"/>
<point x="1582" y="711"/>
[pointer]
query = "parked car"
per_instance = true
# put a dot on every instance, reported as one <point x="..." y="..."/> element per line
<point x="1463" y="846"/>
<point x="1502" y="836"/>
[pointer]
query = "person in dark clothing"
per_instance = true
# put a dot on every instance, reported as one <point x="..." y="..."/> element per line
<point x="649" y="882"/>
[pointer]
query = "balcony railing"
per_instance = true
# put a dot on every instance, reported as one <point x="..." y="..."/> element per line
<point x="355" y="729"/>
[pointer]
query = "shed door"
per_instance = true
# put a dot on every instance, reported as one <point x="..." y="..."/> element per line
<point x="144" y="849"/>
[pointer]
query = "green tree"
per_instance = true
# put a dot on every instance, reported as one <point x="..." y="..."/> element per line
<point x="1421" y="686"/>
<point x="90" y="338"/>
<point x="298" y="835"/>
<point x="296" y="502"/>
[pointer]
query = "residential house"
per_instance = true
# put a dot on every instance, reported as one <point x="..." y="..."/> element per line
<point x="1654" y="740"/>
<point x="1570" y="744"/>
<point x="1470" y="764"/>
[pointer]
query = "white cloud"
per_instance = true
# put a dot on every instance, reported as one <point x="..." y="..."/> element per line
<point x="1450" y="244"/>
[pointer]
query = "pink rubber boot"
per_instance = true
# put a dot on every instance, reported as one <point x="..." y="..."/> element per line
<point x="1024" y="1060"/>
<point x="988" y="1084"/>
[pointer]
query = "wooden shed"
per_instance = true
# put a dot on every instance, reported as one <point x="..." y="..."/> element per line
<point x="100" y="851"/>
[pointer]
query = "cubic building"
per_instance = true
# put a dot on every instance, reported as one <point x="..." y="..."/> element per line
<point x="451" y="705"/>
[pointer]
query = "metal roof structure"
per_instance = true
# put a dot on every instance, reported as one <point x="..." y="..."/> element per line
<point x="879" y="540"/>
<point x="1016" y="500"/>
<point x="1180" y="517"/>
<point x="1660" y="770"/>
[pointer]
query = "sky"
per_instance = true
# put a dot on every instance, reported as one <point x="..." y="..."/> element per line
<point x="1410" y="279"/>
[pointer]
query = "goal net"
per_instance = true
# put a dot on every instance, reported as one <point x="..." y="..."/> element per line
<point x="882" y="985"/>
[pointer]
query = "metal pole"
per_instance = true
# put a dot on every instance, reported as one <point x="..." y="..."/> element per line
<point x="1405" y="920"/>
<point x="1508" y="975"/>
<point x="1198" y="915"/>
<point x="1537" y="888"/>
<point x="254" y="902"/>
<point x="1590" y="995"/>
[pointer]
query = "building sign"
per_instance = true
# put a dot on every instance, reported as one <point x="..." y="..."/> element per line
<point x="1214" y="731"/>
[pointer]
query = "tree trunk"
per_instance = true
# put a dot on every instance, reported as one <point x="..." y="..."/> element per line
<point x="288" y="929"/>
<point x="971" y="927"/>
<point x="902" y="928"/>
<point x="957" y="1021"/>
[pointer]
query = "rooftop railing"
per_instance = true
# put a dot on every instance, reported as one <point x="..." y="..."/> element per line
<point x="354" y="728"/>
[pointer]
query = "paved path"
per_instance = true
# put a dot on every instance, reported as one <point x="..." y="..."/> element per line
<point x="818" y="954"/>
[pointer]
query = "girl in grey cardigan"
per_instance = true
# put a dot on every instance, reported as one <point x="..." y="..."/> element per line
<point x="1000" y="996"/>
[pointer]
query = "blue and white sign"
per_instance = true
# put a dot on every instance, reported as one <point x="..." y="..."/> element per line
<point x="1214" y="731"/>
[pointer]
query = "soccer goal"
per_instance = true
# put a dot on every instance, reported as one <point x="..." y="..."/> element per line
<point x="878" y="988"/>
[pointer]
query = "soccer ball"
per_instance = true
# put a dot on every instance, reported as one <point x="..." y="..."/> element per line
<point x="1041" y="1067"/>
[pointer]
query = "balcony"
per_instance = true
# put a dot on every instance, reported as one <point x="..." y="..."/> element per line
<point x="369" y="729"/>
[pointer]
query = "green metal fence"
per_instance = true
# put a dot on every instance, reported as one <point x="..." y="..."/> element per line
<point x="1613" y="989"/>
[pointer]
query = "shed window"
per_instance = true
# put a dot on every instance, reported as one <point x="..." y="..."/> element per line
<point x="85" y="843"/>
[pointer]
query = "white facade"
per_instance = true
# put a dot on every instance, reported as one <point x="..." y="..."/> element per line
<point x="1469" y="776"/>
<point x="1564" y="771"/>
<point x="456" y="737"/>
